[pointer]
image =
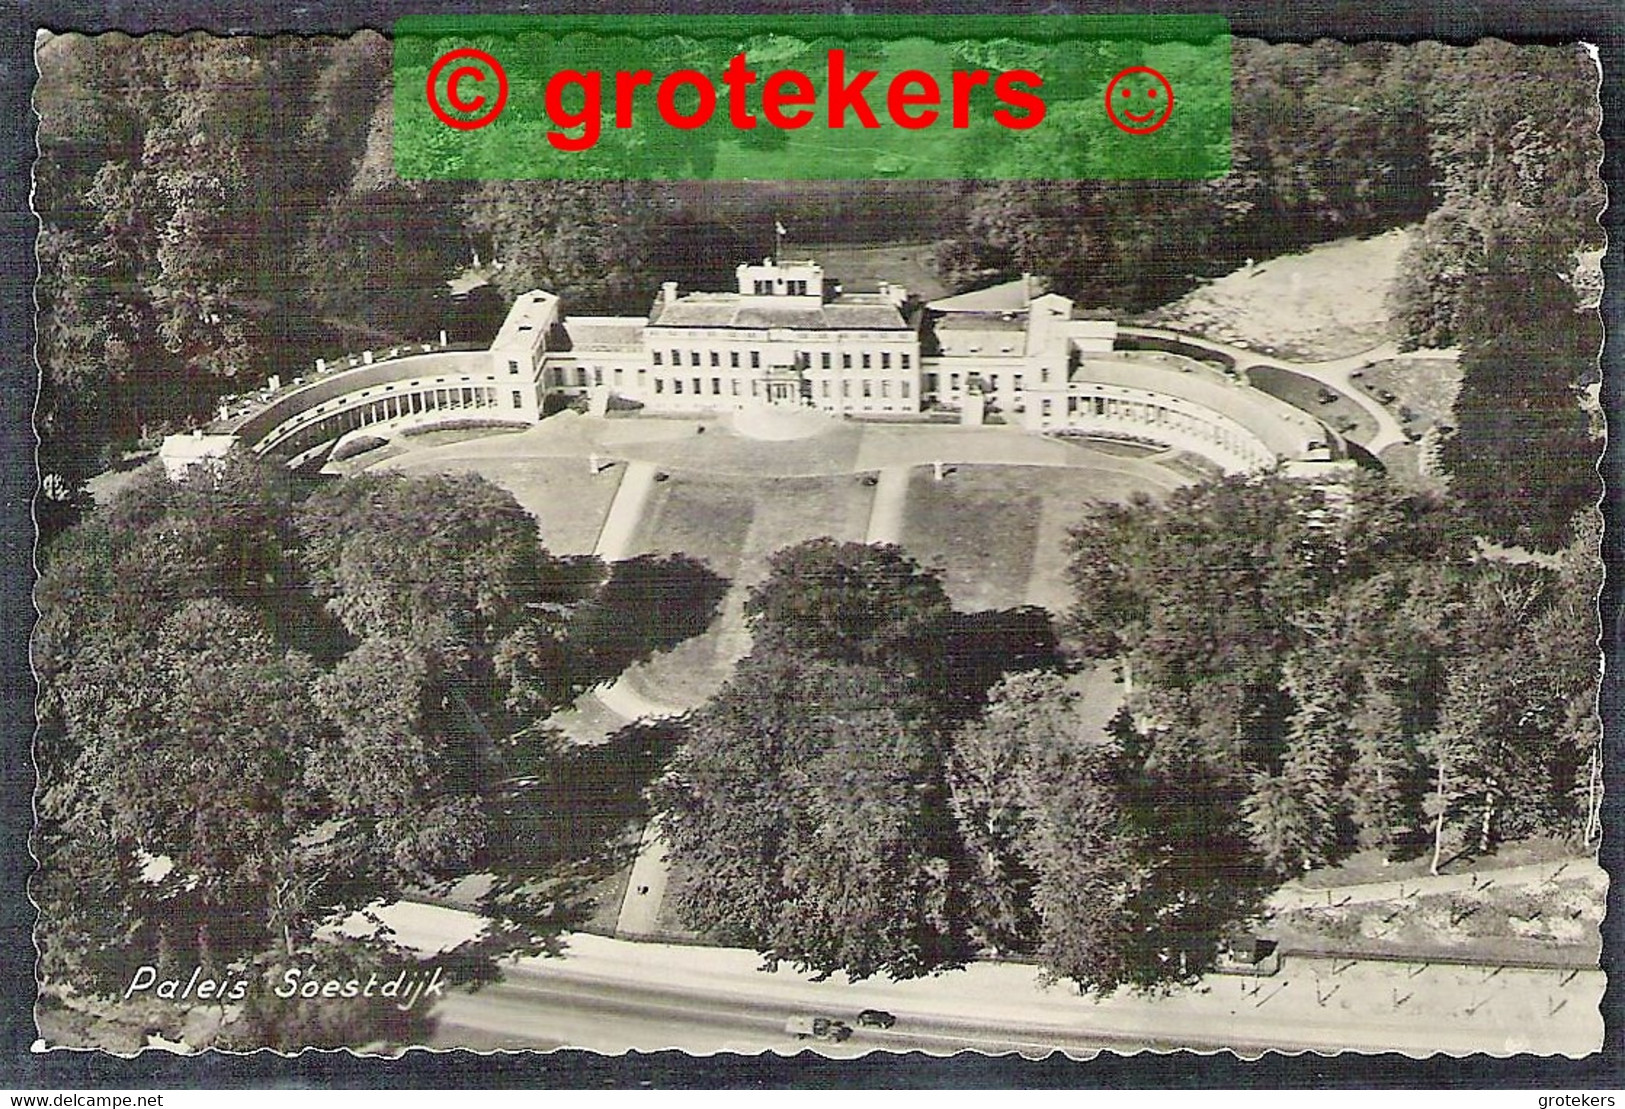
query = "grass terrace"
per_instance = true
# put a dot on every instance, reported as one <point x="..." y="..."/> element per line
<point x="733" y="524"/>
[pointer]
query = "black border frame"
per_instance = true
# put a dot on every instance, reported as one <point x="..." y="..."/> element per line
<point x="1595" y="21"/>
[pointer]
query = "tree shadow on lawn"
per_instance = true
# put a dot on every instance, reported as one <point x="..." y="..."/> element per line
<point x="558" y="838"/>
<point x="648" y="605"/>
<point x="982" y="647"/>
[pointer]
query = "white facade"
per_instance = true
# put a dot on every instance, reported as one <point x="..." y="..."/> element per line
<point x="785" y="338"/>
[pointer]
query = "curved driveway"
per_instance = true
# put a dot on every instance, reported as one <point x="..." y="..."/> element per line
<point x="1333" y="373"/>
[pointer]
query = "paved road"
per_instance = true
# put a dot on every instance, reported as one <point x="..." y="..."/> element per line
<point x="611" y="995"/>
<point x="540" y="1010"/>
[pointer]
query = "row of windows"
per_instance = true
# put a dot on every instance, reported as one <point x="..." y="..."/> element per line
<point x="989" y="382"/>
<point x="804" y="359"/>
<point x="791" y="288"/>
<point x="696" y="386"/>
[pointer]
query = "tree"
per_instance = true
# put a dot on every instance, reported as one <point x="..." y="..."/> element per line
<point x="187" y="746"/>
<point x="808" y="808"/>
<point x="868" y="604"/>
<point x="1522" y="458"/>
<point x="402" y="765"/>
<point x="208" y="796"/>
<point x="1118" y="862"/>
<point x="448" y="563"/>
<point x="587" y="241"/>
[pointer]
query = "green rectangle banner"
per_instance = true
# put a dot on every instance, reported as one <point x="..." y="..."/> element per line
<point x="812" y="97"/>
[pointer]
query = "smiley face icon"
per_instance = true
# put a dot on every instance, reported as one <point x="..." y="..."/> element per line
<point x="1139" y="100"/>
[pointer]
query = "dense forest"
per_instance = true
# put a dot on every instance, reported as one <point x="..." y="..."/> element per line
<point x="215" y="210"/>
<point x="1307" y="677"/>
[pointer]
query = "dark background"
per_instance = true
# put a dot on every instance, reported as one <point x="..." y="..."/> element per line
<point x="1600" y="22"/>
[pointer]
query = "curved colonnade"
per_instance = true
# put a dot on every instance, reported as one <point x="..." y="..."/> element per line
<point x="1154" y="397"/>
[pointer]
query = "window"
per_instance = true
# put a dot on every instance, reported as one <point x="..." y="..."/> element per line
<point x="846" y="388"/>
<point x="716" y="386"/>
<point x="755" y="389"/>
<point x="953" y="383"/>
<point x="676" y="357"/>
<point x="677" y="385"/>
<point x="733" y="359"/>
<point x="618" y="376"/>
<point x="513" y="365"/>
<point x="826" y="388"/>
<point x="755" y="359"/>
<point x="885" y="388"/>
<point x="764" y="288"/>
<point x="866" y="360"/>
<point x="697" y="389"/>
<point x="798" y="288"/>
<point x="597" y="375"/>
<point x="905" y="358"/>
<point x="1015" y="383"/>
<point x="518" y="401"/>
<point x="905" y="390"/>
<point x="693" y="358"/>
<point x="846" y="361"/>
<point x="885" y="360"/>
<point x="868" y="388"/>
<point x="660" y="385"/>
<point x="993" y="383"/>
<point x="930" y="383"/>
<point x="558" y="376"/>
<point x="825" y="360"/>
<point x="657" y="357"/>
<point x="716" y="359"/>
<point x="735" y="384"/>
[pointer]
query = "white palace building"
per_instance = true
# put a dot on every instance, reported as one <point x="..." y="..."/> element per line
<point x="785" y="338"/>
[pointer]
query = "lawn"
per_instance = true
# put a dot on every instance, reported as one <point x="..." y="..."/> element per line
<point x="1327" y="302"/>
<point x="911" y="265"/>
<point x="1306" y="393"/>
<point x="734" y="524"/>
<point x="569" y="504"/>
<point x="998" y="533"/>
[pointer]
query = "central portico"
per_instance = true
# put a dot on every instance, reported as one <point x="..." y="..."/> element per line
<point x="782" y="338"/>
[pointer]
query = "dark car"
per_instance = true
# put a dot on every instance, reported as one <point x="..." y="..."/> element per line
<point x="876" y="1018"/>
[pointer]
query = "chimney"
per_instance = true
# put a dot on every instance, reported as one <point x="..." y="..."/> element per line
<point x="668" y="292"/>
<point x="274" y="382"/>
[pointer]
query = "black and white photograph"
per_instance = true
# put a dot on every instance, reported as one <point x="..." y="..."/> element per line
<point x="1037" y="617"/>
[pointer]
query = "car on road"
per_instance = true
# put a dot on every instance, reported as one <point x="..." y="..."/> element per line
<point x="818" y="1028"/>
<point x="875" y="1018"/>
